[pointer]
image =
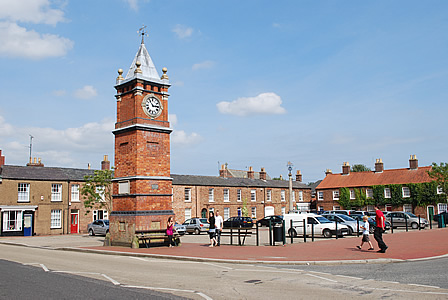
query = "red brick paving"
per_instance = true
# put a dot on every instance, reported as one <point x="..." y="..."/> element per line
<point x="402" y="245"/>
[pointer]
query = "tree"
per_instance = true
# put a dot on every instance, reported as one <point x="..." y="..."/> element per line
<point x="440" y="175"/>
<point x="359" y="168"/>
<point x="98" y="190"/>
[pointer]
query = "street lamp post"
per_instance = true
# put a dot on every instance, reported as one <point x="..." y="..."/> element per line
<point x="291" y="208"/>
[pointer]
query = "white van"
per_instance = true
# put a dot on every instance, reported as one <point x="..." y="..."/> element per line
<point x="322" y="226"/>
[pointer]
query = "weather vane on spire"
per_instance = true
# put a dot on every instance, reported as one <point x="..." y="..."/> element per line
<point x="143" y="32"/>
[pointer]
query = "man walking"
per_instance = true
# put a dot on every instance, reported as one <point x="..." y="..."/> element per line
<point x="379" y="229"/>
<point x="218" y="227"/>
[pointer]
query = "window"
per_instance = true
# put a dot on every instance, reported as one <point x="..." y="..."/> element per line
<point x="337" y="207"/>
<point x="283" y="210"/>
<point x="282" y="195"/>
<point x="12" y="220"/>
<point x="75" y="193"/>
<point x="388" y="207"/>
<point x="23" y="192"/>
<point x="320" y="196"/>
<point x="56" y="218"/>
<point x="187" y="213"/>
<point x="369" y="193"/>
<point x="56" y="192"/>
<point x="254" y="212"/>
<point x="406" y="192"/>
<point x="100" y="191"/>
<point x="226" y="195"/>
<point x="407" y="208"/>
<point x="439" y="190"/>
<point x="211" y="209"/>
<point x="226" y="213"/>
<point x="99" y="214"/>
<point x="300" y="196"/>
<point x="336" y="195"/>
<point x="352" y="194"/>
<point x="253" y="195"/>
<point x="123" y="187"/>
<point x="370" y="208"/>
<point x="387" y="193"/>
<point x="238" y="195"/>
<point x="442" y="207"/>
<point x="239" y="211"/>
<point x="321" y="208"/>
<point x="293" y="196"/>
<point x="211" y="195"/>
<point x="269" y="195"/>
<point x="187" y="192"/>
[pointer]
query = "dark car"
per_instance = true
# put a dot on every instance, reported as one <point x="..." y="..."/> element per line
<point x="237" y="222"/>
<point x="274" y="220"/>
<point x="444" y="215"/>
<point x="98" y="227"/>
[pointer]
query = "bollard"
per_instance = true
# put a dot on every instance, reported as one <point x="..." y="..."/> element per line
<point x="231" y="236"/>
<point x="312" y="232"/>
<point x="239" y="236"/>
<point x="391" y="224"/>
<point x="336" y="229"/>
<point x="357" y="226"/>
<point x="430" y="221"/>
<point x="256" y="226"/>
<point x="291" y="229"/>
<point x="270" y="233"/>
<point x="419" y="227"/>
<point x="406" y="222"/>
<point x="304" y="230"/>
<point x="284" y="232"/>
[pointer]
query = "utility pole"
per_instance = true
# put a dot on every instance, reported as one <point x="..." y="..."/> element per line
<point x="291" y="207"/>
<point x="31" y="147"/>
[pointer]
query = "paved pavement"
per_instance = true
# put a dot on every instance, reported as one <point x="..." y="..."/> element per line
<point x="403" y="246"/>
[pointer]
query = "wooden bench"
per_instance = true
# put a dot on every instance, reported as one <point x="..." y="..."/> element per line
<point x="154" y="236"/>
<point x="242" y="232"/>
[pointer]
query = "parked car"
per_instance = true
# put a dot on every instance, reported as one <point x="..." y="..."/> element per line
<point x="236" y="222"/>
<point x="400" y="218"/>
<point x="98" y="227"/>
<point x="180" y="229"/>
<point x="196" y="225"/>
<point x="341" y="212"/>
<point x="351" y="223"/>
<point x="445" y="217"/>
<point x="372" y="222"/>
<point x="320" y="225"/>
<point x="274" y="220"/>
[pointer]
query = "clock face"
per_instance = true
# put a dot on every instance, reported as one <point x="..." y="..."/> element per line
<point x="152" y="106"/>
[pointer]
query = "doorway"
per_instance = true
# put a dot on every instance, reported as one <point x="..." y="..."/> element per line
<point x="27" y="225"/>
<point x="74" y="223"/>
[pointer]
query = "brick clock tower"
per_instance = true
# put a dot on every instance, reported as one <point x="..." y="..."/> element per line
<point x="142" y="187"/>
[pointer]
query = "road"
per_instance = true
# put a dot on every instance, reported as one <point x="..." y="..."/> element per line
<point x="207" y="280"/>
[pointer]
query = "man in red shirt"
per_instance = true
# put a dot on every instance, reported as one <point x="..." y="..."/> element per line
<point x="379" y="229"/>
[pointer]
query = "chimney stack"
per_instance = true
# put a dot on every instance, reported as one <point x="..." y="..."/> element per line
<point x="105" y="164"/>
<point x="224" y="173"/>
<point x="345" y="168"/>
<point x="299" y="176"/>
<point x="36" y="163"/>
<point x="2" y="159"/>
<point x="263" y="174"/>
<point x="379" y="167"/>
<point x="413" y="162"/>
<point x="328" y="171"/>
<point x="250" y="173"/>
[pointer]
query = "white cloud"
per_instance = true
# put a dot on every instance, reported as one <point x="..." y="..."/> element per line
<point x="172" y="118"/>
<point x="19" y="42"/>
<point x="59" y="93"/>
<point x="58" y="147"/>
<point x="265" y="103"/>
<point x="182" y="31"/>
<point x="33" y="11"/>
<point x="133" y="4"/>
<point x="86" y="92"/>
<point x="203" y="65"/>
<point x="180" y="137"/>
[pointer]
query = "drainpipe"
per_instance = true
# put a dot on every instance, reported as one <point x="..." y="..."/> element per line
<point x="68" y="207"/>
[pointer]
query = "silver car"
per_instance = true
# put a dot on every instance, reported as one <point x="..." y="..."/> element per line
<point x="196" y="225"/>
<point x="351" y="223"/>
<point x="98" y="227"/>
<point x="180" y="229"/>
<point x="399" y="219"/>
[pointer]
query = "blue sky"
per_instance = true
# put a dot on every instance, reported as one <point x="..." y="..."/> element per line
<point x="254" y="83"/>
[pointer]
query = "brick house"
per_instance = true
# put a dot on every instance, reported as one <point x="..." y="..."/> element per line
<point x="194" y="196"/>
<point x="39" y="200"/>
<point x="407" y="189"/>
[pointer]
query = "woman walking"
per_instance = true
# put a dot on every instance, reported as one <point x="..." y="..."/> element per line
<point x="211" y="231"/>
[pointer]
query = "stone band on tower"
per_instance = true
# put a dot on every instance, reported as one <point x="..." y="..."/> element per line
<point x="142" y="187"/>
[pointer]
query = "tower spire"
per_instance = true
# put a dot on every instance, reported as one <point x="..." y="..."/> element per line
<point x="143" y="32"/>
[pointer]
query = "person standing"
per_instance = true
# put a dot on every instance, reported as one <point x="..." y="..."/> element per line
<point x="211" y="230"/>
<point x="170" y="231"/>
<point x="365" y="233"/>
<point x="218" y="227"/>
<point x="379" y="230"/>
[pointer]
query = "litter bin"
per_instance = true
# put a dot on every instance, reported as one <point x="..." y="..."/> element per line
<point x="278" y="233"/>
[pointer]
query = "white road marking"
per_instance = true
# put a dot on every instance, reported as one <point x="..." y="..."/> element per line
<point x="77" y="272"/>
<point x="110" y="279"/>
<point x="426" y="286"/>
<point x="403" y="291"/>
<point x="44" y="267"/>
<point x="349" y="277"/>
<point x="218" y="266"/>
<point x="168" y="289"/>
<point x="320" y="277"/>
<point x="138" y="258"/>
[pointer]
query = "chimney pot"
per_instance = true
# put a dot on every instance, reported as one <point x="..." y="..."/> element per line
<point x="105" y="164"/>
<point x="413" y="162"/>
<point x="345" y="168"/>
<point x="379" y="166"/>
<point x="299" y="176"/>
<point x="263" y="174"/>
<point x="250" y="173"/>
